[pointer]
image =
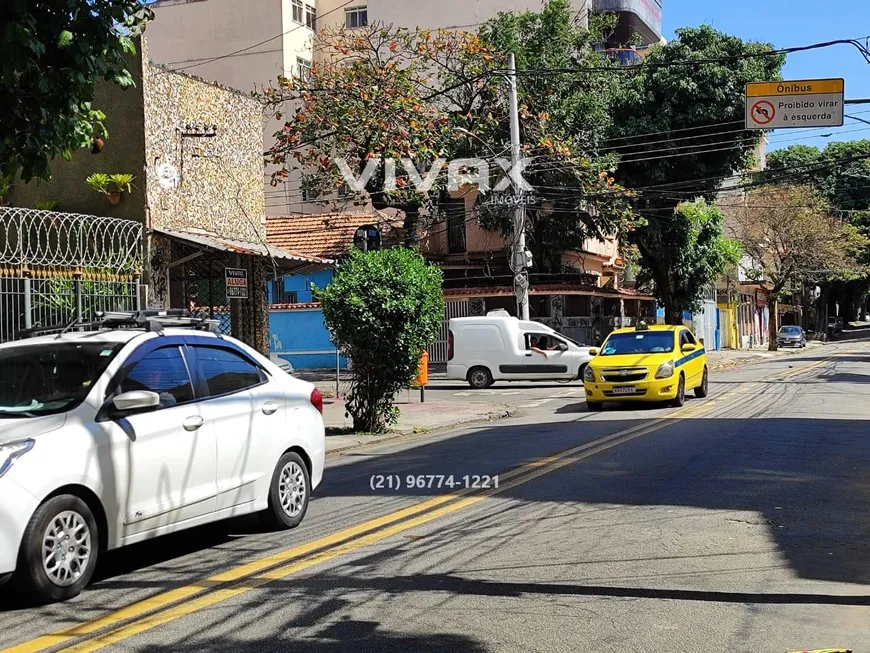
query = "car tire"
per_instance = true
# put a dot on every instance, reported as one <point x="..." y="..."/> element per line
<point x="289" y="493"/>
<point x="680" y="399"/>
<point x="68" y="523"/>
<point x="594" y="405"/>
<point x="581" y="371"/>
<point x="479" y="378"/>
<point x="702" y="390"/>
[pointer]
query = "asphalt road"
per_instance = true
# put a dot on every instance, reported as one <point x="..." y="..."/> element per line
<point x="738" y="523"/>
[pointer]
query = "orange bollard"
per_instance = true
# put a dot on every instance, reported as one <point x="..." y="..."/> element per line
<point x="423" y="375"/>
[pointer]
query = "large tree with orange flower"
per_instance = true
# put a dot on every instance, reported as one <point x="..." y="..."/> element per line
<point x="390" y="93"/>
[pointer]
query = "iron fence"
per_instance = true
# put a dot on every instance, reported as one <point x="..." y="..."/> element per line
<point x="56" y="267"/>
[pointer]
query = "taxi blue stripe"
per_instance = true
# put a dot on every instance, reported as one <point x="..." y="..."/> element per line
<point x="690" y="357"/>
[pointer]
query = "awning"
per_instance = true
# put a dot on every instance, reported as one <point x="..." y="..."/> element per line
<point x="286" y="261"/>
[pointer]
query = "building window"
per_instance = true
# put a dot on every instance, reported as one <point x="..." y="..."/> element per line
<point x="342" y="191"/>
<point x="298" y="13"/>
<point x="303" y="66"/>
<point x="356" y="17"/>
<point x="311" y="17"/>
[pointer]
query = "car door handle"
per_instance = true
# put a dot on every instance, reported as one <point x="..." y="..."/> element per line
<point x="529" y="355"/>
<point x="270" y="407"/>
<point x="193" y="422"/>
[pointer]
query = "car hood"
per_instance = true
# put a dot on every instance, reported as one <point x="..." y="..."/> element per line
<point x="631" y="360"/>
<point x="19" y="428"/>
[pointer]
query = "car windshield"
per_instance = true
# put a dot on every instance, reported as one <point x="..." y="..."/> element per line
<point x="640" y="342"/>
<point x="792" y="330"/>
<point x="42" y="379"/>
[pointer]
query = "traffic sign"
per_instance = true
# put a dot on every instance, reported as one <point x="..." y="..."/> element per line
<point x="802" y="103"/>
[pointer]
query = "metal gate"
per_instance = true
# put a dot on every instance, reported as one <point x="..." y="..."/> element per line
<point x="57" y="267"/>
<point x="452" y="308"/>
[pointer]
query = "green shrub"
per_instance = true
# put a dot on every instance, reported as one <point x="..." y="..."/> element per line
<point x="383" y="308"/>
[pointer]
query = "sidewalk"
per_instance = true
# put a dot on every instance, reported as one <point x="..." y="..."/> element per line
<point x="720" y="360"/>
<point x="415" y="418"/>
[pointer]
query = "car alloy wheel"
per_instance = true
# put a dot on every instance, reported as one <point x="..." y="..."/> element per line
<point x="66" y="548"/>
<point x="291" y="489"/>
<point x="289" y="493"/>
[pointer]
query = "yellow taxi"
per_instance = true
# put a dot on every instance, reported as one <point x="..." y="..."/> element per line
<point x="646" y="363"/>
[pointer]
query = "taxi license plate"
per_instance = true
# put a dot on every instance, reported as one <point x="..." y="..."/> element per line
<point x="625" y="390"/>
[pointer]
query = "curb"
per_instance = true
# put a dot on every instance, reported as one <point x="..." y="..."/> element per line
<point x="760" y="359"/>
<point x="410" y="435"/>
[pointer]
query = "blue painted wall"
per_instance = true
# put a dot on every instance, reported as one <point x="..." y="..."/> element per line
<point x="299" y="331"/>
<point x="302" y="284"/>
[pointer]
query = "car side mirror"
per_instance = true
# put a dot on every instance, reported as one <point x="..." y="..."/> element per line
<point x="563" y="346"/>
<point x="688" y="347"/>
<point x="593" y="351"/>
<point x="135" y="401"/>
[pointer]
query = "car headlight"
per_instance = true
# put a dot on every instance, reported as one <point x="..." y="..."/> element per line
<point x="12" y="451"/>
<point x="589" y="374"/>
<point x="665" y="371"/>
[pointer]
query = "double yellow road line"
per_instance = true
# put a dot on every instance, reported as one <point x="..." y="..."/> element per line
<point x="174" y="604"/>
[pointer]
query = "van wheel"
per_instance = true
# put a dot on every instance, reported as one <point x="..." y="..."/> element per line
<point x="479" y="378"/>
<point x="58" y="551"/>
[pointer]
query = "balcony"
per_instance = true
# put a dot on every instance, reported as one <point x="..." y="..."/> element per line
<point x="641" y="16"/>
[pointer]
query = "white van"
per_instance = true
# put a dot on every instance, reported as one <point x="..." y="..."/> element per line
<point x="498" y="347"/>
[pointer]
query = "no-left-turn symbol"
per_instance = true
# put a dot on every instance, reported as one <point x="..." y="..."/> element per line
<point x="763" y="112"/>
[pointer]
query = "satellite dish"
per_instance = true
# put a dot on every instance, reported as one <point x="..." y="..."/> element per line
<point x="167" y="176"/>
<point x="367" y="238"/>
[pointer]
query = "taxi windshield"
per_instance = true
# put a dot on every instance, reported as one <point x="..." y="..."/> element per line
<point x="645" y="342"/>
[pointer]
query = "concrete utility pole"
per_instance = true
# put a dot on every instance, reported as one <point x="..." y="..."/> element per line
<point x="518" y="252"/>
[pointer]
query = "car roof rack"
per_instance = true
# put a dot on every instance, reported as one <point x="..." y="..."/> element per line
<point x="149" y="320"/>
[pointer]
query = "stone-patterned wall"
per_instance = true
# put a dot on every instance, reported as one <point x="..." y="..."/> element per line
<point x="220" y="178"/>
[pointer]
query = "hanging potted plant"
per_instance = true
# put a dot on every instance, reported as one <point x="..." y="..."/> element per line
<point x="111" y="185"/>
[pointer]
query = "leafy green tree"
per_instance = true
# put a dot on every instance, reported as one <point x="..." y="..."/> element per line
<point x="788" y="232"/>
<point x="379" y="93"/>
<point x="846" y="190"/>
<point x="697" y="253"/>
<point x="423" y="95"/>
<point x="382" y="309"/>
<point x="563" y="119"/>
<point x="675" y="101"/>
<point x="52" y="54"/>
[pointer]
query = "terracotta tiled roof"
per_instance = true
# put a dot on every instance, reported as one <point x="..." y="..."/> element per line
<point x="324" y="235"/>
<point x="539" y="289"/>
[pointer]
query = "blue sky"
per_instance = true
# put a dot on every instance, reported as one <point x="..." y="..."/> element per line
<point x="787" y="23"/>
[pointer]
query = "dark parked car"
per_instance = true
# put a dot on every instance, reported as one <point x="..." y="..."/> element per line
<point x="791" y="336"/>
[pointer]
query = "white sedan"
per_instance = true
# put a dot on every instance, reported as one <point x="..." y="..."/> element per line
<point x="117" y="436"/>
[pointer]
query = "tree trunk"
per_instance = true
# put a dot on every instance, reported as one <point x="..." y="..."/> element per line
<point x="773" y="310"/>
<point x="413" y="226"/>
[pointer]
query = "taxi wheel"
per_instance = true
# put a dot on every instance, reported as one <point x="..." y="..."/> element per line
<point x="594" y="405"/>
<point x="701" y="390"/>
<point x="680" y="399"/>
